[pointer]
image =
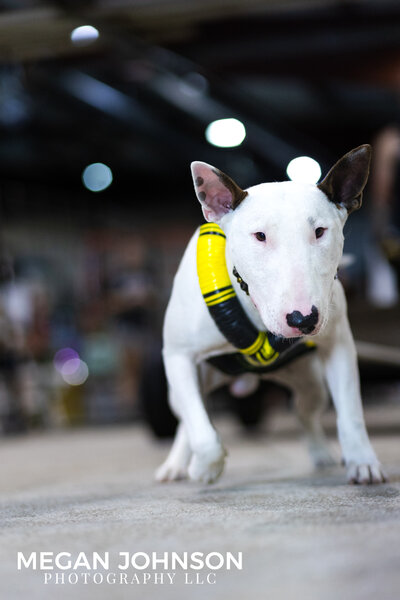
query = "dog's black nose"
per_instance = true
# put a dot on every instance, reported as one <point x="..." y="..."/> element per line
<point x="306" y="323"/>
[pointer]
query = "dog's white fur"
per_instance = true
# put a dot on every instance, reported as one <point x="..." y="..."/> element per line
<point x="291" y="270"/>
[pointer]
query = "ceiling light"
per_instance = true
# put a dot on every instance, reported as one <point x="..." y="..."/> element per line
<point x="226" y="133"/>
<point x="86" y="34"/>
<point x="304" y="169"/>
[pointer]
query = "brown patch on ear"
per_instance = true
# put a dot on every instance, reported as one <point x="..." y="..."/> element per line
<point x="238" y="195"/>
<point x="218" y="193"/>
<point x="199" y="181"/>
<point x="345" y="182"/>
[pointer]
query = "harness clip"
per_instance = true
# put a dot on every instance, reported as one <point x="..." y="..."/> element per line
<point x="240" y="281"/>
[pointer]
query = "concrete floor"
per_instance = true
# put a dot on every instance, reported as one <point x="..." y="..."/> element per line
<point x="304" y="535"/>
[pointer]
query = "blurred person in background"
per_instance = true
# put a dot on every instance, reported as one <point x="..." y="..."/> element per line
<point x="131" y="301"/>
<point x="383" y="255"/>
<point x="12" y="349"/>
<point x="24" y="340"/>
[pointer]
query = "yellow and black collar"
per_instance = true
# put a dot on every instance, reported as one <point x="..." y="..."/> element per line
<point x="258" y="350"/>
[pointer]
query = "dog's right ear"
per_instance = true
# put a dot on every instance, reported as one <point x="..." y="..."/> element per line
<point x="218" y="194"/>
<point x="345" y="182"/>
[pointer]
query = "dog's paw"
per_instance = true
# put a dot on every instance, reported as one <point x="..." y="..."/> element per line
<point x="365" y="473"/>
<point x="207" y="466"/>
<point x="321" y="454"/>
<point x="171" y="471"/>
<point x="324" y="460"/>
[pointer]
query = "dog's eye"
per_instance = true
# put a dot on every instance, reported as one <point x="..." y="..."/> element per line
<point x="260" y="236"/>
<point x="319" y="232"/>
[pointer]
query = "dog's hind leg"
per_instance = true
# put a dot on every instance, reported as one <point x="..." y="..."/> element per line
<point x="310" y="405"/>
<point x="306" y="379"/>
<point x="176" y="465"/>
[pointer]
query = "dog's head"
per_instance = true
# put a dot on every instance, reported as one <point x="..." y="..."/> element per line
<point x="285" y="239"/>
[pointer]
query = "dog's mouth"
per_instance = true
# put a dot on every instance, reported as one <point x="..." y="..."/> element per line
<point x="287" y="330"/>
<point x="253" y="301"/>
<point x="293" y="335"/>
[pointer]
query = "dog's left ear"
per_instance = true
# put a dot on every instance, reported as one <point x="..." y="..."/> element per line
<point x="217" y="193"/>
<point x="345" y="182"/>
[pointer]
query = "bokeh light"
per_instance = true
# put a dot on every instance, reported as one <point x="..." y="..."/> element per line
<point x="97" y="177"/>
<point x="304" y="169"/>
<point x="226" y="133"/>
<point x="75" y="371"/>
<point x="64" y="355"/>
<point x="86" y="34"/>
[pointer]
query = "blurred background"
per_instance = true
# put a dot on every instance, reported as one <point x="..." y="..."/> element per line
<point x="103" y="105"/>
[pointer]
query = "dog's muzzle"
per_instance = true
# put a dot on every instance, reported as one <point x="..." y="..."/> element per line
<point x="305" y="323"/>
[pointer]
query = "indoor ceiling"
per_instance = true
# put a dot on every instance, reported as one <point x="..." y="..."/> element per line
<point x="315" y="77"/>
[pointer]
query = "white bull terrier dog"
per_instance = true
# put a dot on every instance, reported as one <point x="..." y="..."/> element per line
<point x="256" y="288"/>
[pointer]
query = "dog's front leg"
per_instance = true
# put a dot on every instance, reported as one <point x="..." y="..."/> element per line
<point x="341" y="369"/>
<point x="208" y="454"/>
